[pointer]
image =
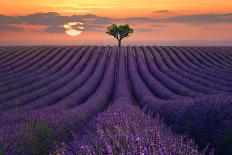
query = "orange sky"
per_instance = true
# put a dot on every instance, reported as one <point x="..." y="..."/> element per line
<point x="150" y="32"/>
<point x="113" y="8"/>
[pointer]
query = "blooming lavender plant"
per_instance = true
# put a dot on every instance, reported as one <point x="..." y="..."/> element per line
<point x="125" y="129"/>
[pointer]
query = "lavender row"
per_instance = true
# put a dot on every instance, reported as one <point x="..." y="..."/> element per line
<point x="15" y="67"/>
<point x="59" y="70"/>
<point x="225" y="52"/>
<point x="215" y="58"/>
<point x="83" y="92"/>
<point x="201" y="110"/>
<point x="210" y="61"/>
<point x="152" y="83"/>
<point x="6" y="52"/>
<point x="31" y="67"/>
<point x="131" y="131"/>
<point x="41" y="68"/>
<point x="73" y="118"/>
<point x="168" y="68"/>
<point x="220" y="56"/>
<point x="175" y="82"/>
<point x="36" y="91"/>
<point x="122" y="90"/>
<point x="77" y="90"/>
<point x="59" y="99"/>
<point x="178" y="67"/>
<point x="125" y="129"/>
<point x="201" y="56"/>
<point x="216" y="77"/>
<point x="195" y="65"/>
<point x="15" y="54"/>
<point x="22" y="58"/>
<point x="203" y="61"/>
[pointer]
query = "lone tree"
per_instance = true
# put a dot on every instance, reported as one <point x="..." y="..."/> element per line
<point x="119" y="32"/>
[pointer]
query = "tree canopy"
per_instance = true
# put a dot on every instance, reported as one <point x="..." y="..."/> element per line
<point x="119" y="32"/>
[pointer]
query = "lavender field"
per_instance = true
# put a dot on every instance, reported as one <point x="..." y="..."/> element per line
<point x="107" y="100"/>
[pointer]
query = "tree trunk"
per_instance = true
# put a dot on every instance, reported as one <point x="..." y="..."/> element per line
<point x="119" y="43"/>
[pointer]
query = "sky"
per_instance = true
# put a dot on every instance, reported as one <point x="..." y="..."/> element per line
<point x="157" y="22"/>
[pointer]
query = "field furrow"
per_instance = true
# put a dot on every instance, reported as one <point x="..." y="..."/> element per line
<point x="51" y="97"/>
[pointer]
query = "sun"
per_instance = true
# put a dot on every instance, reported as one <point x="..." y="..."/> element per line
<point x="74" y="28"/>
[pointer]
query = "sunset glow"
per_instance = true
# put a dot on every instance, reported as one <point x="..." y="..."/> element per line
<point x="119" y="8"/>
<point x="161" y="20"/>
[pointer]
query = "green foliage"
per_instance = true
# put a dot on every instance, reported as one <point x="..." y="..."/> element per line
<point x="46" y="134"/>
<point x="31" y="137"/>
<point x="225" y="143"/>
<point x="38" y="139"/>
<point x="119" y="32"/>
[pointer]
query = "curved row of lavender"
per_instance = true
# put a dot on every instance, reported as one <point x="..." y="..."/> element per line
<point x="85" y="100"/>
<point x="125" y="129"/>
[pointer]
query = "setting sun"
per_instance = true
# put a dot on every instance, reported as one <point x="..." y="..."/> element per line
<point x="74" y="28"/>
